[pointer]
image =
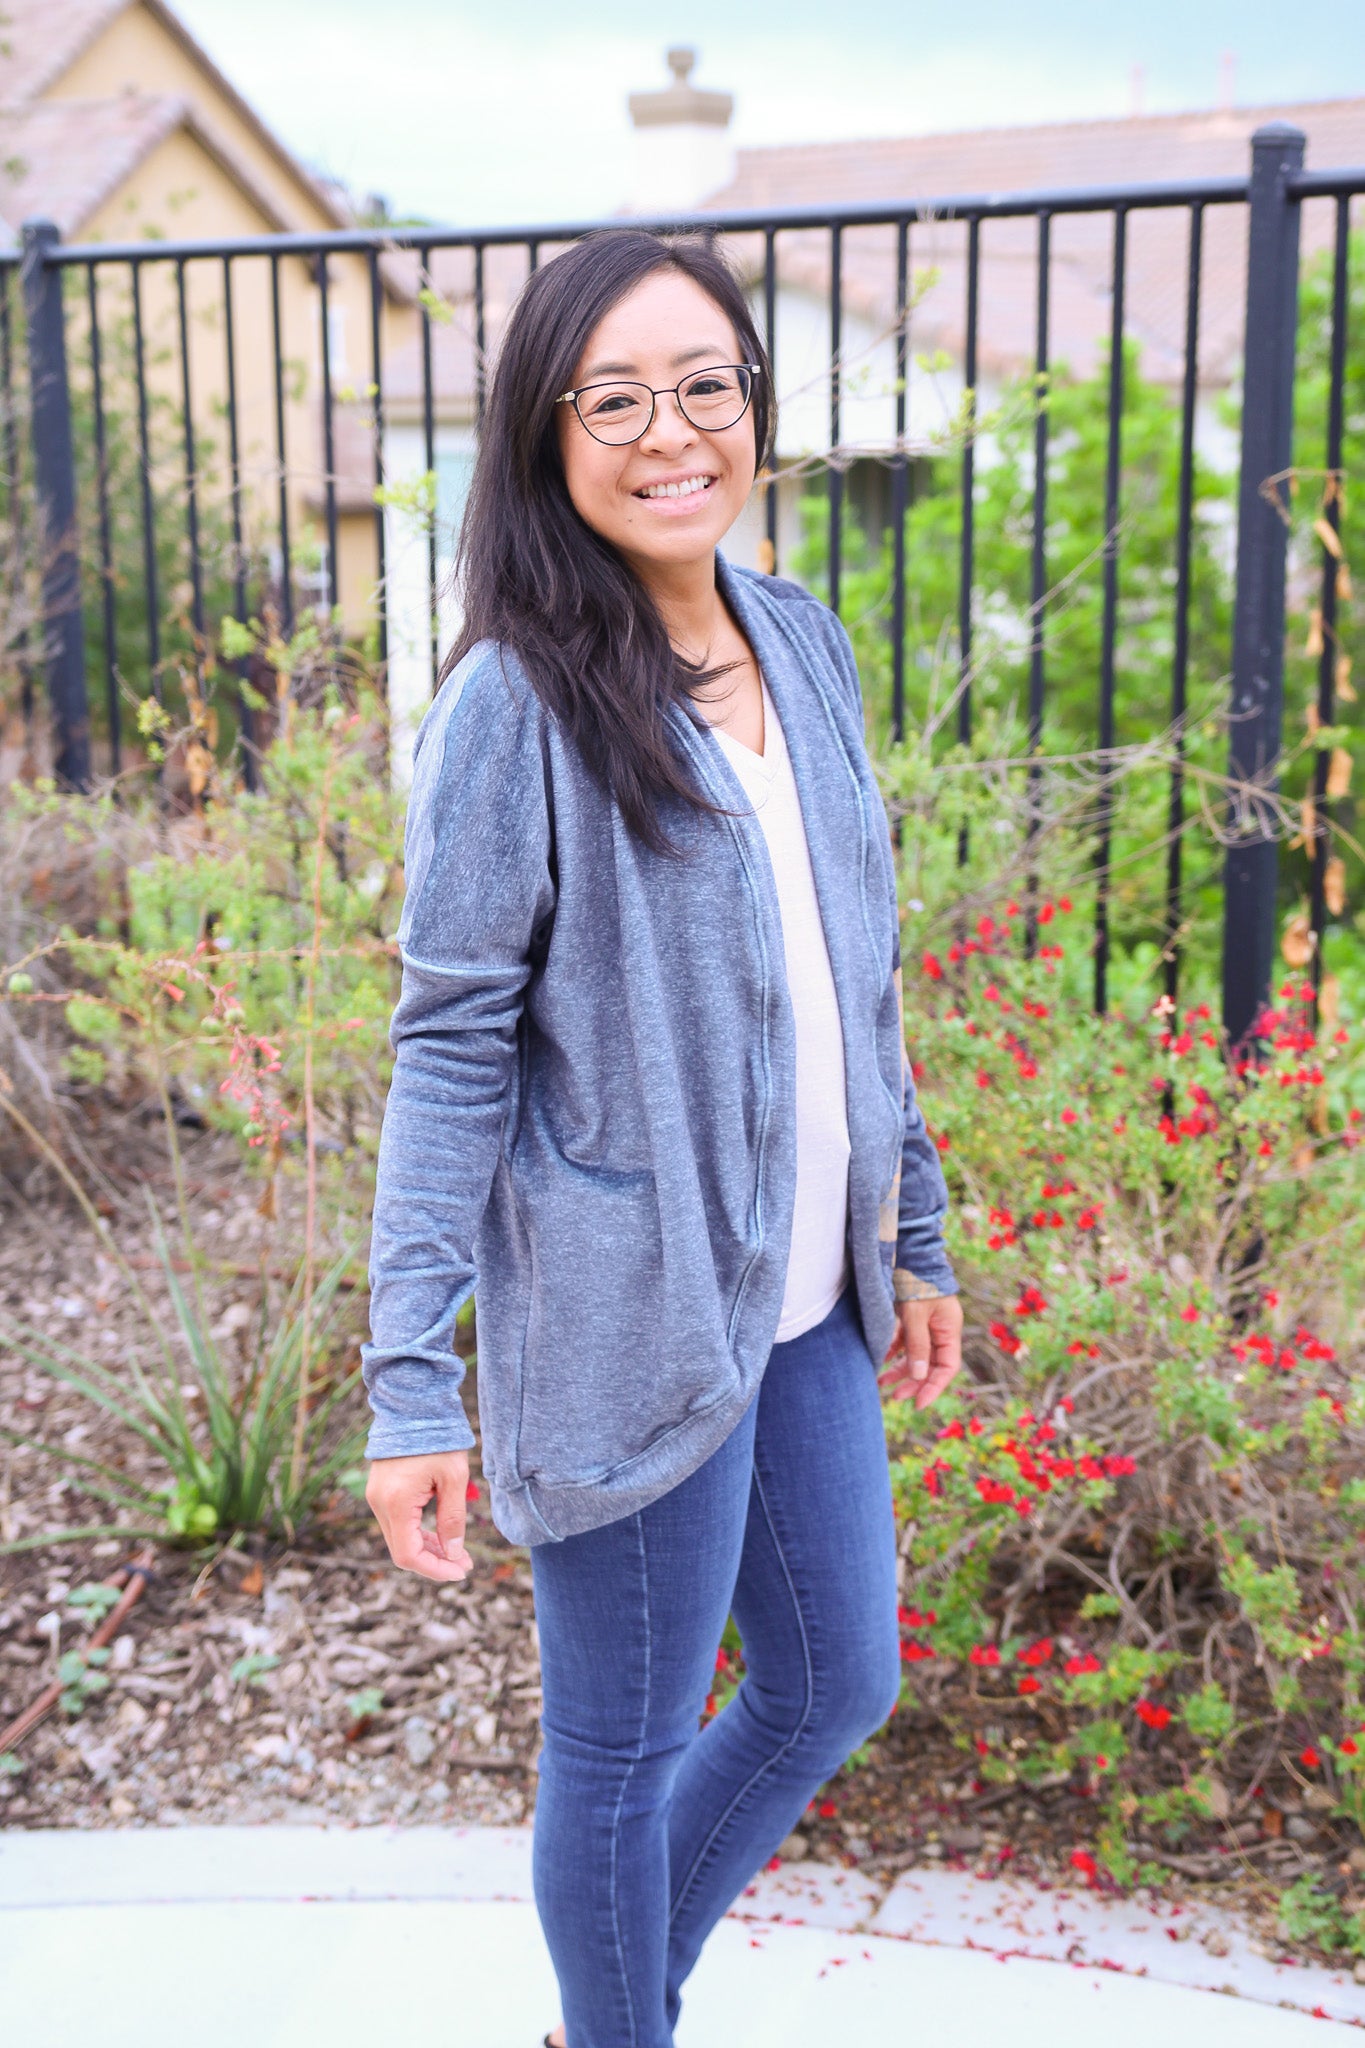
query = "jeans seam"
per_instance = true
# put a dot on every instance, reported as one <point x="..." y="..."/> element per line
<point x="625" y="1784"/>
<point x="700" y="1860"/>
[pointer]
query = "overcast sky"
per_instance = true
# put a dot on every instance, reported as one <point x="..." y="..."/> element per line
<point x="473" y="113"/>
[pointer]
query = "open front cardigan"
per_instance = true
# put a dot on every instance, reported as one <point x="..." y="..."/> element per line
<point x="591" y="1119"/>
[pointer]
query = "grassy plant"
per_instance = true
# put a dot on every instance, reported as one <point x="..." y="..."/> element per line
<point x="249" y="1452"/>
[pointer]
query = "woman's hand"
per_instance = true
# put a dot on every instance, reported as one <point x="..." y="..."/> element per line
<point x="929" y="1340"/>
<point x="399" y="1488"/>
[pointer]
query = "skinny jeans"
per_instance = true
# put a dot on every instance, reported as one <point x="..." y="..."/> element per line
<point x="647" y="1828"/>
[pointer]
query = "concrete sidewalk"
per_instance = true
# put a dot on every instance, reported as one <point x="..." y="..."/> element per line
<point x="367" y="1938"/>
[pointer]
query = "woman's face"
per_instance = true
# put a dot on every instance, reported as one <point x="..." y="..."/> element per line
<point x="665" y="329"/>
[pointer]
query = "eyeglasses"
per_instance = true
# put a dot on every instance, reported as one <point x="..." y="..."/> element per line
<point x="618" y="413"/>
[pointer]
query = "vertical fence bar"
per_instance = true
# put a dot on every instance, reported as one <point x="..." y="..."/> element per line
<point x="1180" y="662"/>
<point x="967" y="550"/>
<point x="377" y="379"/>
<point x="329" y="461"/>
<point x="1256" y="713"/>
<point x="1037" y="677"/>
<point x="1113" y="482"/>
<point x="191" y="474"/>
<point x="246" y="717"/>
<point x="770" y="343"/>
<point x="532" y="258"/>
<point x="900" y="483"/>
<point x="150" y="575"/>
<point x="429" y="461"/>
<point x="14" y="498"/>
<point x="107" y="613"/>
<point x="54" y="476"/>
<point x="480" y="339"/>
<point x="836" y="474"/>
<point x="281" y="454"/>
<point x="1327" y="664"/>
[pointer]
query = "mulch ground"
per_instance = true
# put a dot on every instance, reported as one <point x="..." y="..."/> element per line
<point x="374" y="1696"/>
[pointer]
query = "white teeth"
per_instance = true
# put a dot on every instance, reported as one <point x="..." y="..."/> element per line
<point x="683" y="490"/>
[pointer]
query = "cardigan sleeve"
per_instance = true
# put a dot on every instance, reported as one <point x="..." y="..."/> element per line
<point x="479" y="902"/>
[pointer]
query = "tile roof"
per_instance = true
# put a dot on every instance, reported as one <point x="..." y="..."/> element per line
<point x="40" y="39"/>
<point x="1063" y="156"/>
<point x="64" y="158"/>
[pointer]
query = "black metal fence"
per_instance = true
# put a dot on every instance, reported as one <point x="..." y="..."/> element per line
<point x="58" y="333"/>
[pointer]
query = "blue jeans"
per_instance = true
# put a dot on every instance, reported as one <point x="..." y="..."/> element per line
<point x="646" y="1829"/>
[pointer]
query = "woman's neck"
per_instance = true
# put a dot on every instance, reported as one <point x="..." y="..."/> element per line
<point x="688" y="601"/>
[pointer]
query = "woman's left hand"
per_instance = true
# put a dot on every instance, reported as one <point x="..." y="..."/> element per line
<point x="929" y="1340"/>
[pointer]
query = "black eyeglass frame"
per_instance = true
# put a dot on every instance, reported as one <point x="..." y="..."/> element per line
<point x="615" y="383"/>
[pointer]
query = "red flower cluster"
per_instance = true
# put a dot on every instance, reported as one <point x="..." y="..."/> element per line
<point x="250" y="1061"/>
<point x="1152" y="1715"/>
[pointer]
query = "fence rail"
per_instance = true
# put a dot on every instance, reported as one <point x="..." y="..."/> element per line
<point x="226" y="317"/>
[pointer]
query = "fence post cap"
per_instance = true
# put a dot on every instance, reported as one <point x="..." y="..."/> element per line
<point x="1279" y="135"/>
<point x="40" y="230"/>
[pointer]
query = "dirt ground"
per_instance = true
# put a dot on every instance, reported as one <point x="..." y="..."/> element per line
<point x="374" y="1696"/>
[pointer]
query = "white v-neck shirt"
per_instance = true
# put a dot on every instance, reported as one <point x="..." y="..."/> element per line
<point x="817" y="1271"/>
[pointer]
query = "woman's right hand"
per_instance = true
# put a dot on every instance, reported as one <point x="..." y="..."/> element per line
<point x="397" y="1491"/>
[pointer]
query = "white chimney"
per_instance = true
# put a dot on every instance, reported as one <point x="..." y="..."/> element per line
<point x="682" y="144"/>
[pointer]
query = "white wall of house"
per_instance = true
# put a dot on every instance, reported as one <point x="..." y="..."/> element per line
<point x="407" y="561"/>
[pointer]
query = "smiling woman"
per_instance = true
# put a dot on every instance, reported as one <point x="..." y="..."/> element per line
<point x="649" y="1061"/>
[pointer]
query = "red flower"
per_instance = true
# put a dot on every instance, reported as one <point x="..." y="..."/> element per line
<point x="984" y="1653"/>
<point x="1310" y="1759"/>
<point x="1077" y="1667"/>
<point x="1152" y="1715"/>
<point x="1189" y="1314"/>
<point x="1006" y="1339"/>
<point x="932" y="966"/>
<point x="1349" y="1746"/>
<point x="910" y="1617"/>
<point x="1027" y="1685"/>
<point x="1118" y="1465"/>
<point x="471" y="1492"/>
<point x="994" y="1492"/>
<point x="827" y="1809"/>
<point x="1082" y="1860"/>
<point x="915" y="1653"/>
<point x="1037" y="1653"/>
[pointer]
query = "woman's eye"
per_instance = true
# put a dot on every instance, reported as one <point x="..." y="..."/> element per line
<point x="614" y="402"/>
<point x="708" y="387"/>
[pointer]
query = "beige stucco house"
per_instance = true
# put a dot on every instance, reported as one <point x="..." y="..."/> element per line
<point x="116" y="125"/>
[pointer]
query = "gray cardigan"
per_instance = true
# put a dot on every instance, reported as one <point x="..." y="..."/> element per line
<point x="591" y="1121"/>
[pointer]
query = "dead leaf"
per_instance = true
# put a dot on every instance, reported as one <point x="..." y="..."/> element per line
<point x="1298" y="942"/>
<point x="1329" y="537"/>
<point x="252" y="1581"/>
<point x="1345" y="688"/>
<point x="1311" y="718"/>
<point x="1334" y="885"/>
<point x="1272" y="1823"/>
<point x="1329" y="1001"/>
<point x="1308" y="820"/>
<point x="1313" y="645"/>
<point x="198" y="766"/>
<point x="1343" y="584"/>
<point x="266" y="1206"/>
<point x="1304" y="1155"/>
<point x="1339" y="772"/>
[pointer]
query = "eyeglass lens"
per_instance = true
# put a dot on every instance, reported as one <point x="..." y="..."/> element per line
<point x="711" y="399"/>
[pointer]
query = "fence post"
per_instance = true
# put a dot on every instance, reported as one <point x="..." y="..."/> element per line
<point x="54" y="469"/>
<point x="1257" y="698"/>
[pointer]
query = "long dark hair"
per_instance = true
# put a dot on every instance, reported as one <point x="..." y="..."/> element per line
<point x="533" y="575"/>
